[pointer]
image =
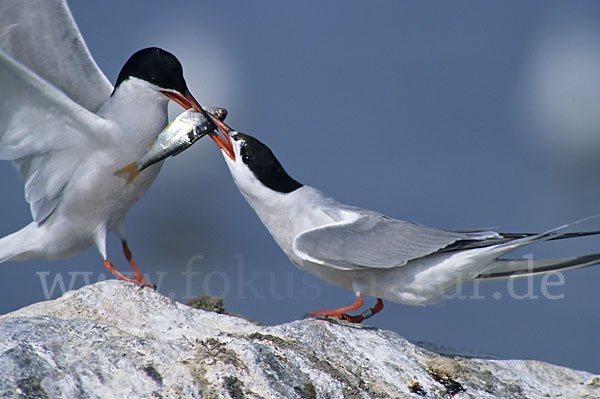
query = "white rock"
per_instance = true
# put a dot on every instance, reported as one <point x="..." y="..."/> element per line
<point x="115" y="340"/>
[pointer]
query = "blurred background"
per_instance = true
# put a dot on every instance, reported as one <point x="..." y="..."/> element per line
<point x="455" y="115"/>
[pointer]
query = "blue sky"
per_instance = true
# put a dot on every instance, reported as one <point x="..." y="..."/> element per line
<point x="454" y="115"/>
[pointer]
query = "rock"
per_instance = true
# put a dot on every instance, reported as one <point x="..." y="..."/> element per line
<point x="209" y="303"/>
<point x="115" y="340"/>
<point x="213" y="304"/>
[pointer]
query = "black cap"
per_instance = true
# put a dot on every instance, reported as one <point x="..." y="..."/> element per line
<point x="264" y="165"/>
<point x="156" y="66"/>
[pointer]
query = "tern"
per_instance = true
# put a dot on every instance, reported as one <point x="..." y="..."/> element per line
<point x="66" y="129"/>
<point x="369" y="253"/>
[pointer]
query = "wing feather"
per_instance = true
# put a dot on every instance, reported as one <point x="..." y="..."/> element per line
<point x="44" y="132"/>
<point x="371" y="241"/>
<point x="42" y="35"/>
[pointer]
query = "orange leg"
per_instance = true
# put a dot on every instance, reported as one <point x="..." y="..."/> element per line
<point x="366" y="314"/>
<point x="137" y="275"/>
<point x="109" y="266"/>
<point x="340" y="311"/>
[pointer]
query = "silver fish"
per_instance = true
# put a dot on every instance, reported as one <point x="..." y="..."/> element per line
<point x="180" y="134"/>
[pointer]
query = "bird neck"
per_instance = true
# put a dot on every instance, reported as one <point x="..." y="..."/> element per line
<point x="139" y="109"/>
<point x="285" y="215"/>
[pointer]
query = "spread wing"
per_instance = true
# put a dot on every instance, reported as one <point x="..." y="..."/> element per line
<point x="371" y="240"/>
<point x="44" y="132"/>
<point x="42" y="35"/>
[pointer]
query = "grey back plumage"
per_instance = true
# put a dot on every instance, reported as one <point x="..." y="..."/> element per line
<point x="372" y="241"/>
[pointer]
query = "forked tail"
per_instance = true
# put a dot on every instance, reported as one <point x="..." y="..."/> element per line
<point x="502" y="269"/>
<point x="129" y="172"/>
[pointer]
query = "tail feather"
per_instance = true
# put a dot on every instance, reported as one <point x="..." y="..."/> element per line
<point x="19" y="245"/>
<point x="515" y="240"/>
<point x="501" y="248"/>
<point x="129" y="172"/>
<point x="502" y="269"/>
<point x="577" y="234"/>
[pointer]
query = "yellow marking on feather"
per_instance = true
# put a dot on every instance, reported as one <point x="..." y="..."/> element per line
<point x="130" y="172"/>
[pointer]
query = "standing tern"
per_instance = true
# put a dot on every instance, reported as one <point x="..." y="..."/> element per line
<point x="369" y="253"/>
<point x="67" y="130"/>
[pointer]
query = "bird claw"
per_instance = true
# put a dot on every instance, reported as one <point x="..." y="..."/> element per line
<point x="352" y="319"/>
<point x="144" y="284"/>
<point x="336" y="314"/>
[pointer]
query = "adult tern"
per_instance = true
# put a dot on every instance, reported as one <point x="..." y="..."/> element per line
<point x="367" y="252"/>
<point x="67" y="130"/>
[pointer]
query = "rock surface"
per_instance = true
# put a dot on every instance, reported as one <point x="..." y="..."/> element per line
<point x="115" y="340"/>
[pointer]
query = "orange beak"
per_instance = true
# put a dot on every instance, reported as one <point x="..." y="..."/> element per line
<point x="188" y="101"/>
<point x="223" y="144"/>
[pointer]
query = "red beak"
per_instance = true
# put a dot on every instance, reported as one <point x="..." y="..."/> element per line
<point x="188" y="101"/>
<point x="223" y="144"/>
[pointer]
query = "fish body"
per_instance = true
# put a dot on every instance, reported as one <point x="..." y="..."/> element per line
<point x="180" y="134"/>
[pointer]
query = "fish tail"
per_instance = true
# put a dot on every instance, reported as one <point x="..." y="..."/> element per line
<point x="130" y="172"/>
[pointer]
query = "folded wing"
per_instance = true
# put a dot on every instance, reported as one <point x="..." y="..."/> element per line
<point x="372" y="240"/>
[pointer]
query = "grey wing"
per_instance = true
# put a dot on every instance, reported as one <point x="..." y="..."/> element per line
<point x="42" y="35"/>
<point x="373" y="241"/>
